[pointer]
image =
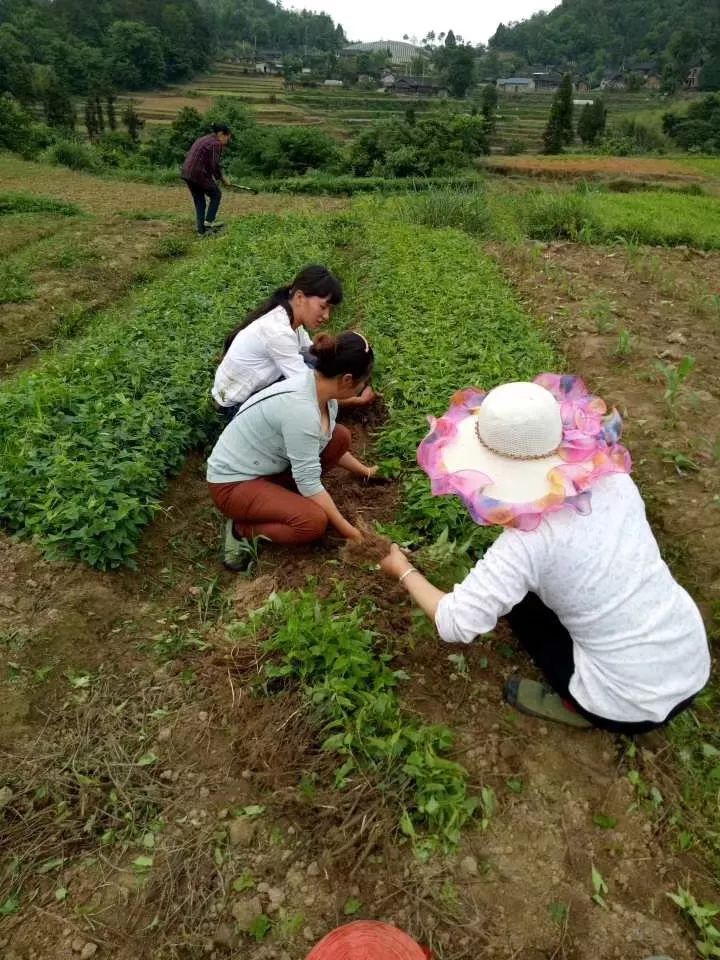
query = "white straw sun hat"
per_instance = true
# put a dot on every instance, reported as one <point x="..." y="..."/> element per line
<point x="513" y="439"/>
<point x="523" y="449"/>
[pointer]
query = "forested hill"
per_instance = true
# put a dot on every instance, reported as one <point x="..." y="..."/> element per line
<point x="80" y="46"/>
<point x="598" y="35"/>
<point x="267" y="25"/>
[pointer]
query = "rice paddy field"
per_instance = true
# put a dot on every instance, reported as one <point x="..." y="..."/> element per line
<point x="175" y="781"/>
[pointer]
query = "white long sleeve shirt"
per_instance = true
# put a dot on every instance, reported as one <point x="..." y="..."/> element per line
<point x="639" y="642"/>
<point x="262" y="353"/>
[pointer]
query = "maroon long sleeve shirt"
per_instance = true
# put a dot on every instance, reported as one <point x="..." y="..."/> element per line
<point x="202" y="163"/>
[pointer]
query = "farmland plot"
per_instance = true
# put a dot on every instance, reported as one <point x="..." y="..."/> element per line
<point x="200" y="815"/>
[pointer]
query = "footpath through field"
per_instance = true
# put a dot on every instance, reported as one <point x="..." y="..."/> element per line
<point x="99" y="196"/>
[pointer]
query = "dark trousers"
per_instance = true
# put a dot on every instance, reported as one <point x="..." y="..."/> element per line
<point x="550" y="646"/>
<point x="199" y="193"/>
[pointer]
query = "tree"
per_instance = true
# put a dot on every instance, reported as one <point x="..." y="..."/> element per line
<point x="132" y="121"/>
<point x="489" y="105"/>
<point x="591" y="124"/>
<point x="450" y="40"/>
<point x="91" y="121"/>
<point x="559" y="130"/>
<point x="460" y="71"/>
<point x="135" y="55"/>
<point x="700" y="127"/>
<point x="56" y="102"/>
<point x="110" y="108"/>
<point x="99" y="113"/>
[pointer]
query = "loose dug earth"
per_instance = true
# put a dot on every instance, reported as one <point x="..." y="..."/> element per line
<point x="619" y="313"/>
<point x="96" y="195"/>
<point x="144" y="693"/>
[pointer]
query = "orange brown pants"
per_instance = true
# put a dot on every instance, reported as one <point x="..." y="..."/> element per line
<point x="272" y="507"/>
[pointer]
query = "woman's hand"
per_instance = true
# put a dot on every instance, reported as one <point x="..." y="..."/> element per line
<point x="354" y="534"/>
<point x="371" y="471"/>
<point x="395" y="563"/>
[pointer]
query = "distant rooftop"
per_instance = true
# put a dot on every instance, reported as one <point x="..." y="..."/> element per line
<point x="400" y="51"/>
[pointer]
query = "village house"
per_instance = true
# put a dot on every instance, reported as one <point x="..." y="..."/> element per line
<point x="613" y="80"/>
<point x="546" y="81"/>
<point x="516" y="85"/>
<point x="412" y="86"/>
<point x="693" y="78"/>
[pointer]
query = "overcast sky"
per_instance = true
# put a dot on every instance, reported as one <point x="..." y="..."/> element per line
<point x="383" y="20"/>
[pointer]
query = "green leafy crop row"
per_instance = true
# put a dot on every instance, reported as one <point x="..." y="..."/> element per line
<point x="351" y="690"/>
<point x="440" y="317"/>
<point x="89" y="436"/>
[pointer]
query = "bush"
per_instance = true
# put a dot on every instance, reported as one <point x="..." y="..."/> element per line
<point x="699" y="128"/>
<point x="464" y="209"/>
<point x="428" y="146"/>
<point x="113" y="149"/>
<point x="515" y="147"/>
<point x="291" y="150"/>
<point x="72" y="154"/>
<point x="564" y="216"/>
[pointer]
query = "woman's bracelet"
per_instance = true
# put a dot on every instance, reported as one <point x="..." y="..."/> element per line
<point x="407" y="573"/>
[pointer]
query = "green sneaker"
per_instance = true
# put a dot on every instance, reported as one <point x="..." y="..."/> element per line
<point x="239" y="553"/>
<point x="537" y="700"/>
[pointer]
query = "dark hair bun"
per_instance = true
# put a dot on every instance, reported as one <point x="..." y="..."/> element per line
<point x="324" y="345"/>
<point x="348" y="352"/>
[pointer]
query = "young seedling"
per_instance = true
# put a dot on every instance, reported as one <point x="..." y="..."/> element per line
<point x="675" y="377"/>
<point x="600" y="888"/>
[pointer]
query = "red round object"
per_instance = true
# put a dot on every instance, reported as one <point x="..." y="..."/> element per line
<point x="367" y="940"/>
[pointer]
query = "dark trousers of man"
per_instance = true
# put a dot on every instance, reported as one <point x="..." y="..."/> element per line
<point x="550" y="646"/>
<point x="199" y="193"/>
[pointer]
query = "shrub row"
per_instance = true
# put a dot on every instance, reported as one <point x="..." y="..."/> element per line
<point x="89" y="436"/>
<point x="346" y="185"/>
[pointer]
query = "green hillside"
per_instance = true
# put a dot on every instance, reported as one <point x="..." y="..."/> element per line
<point x="592" y="36"/>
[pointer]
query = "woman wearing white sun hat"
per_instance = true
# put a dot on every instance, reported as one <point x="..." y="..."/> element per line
<point x="577" y="570"/>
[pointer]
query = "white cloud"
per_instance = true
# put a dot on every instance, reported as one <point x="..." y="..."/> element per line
<point x="380" y="20"/>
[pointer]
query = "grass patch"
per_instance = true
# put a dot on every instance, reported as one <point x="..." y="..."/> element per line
<point x="15" y="284"/>
<point x="28" y="203"/>
<point x="660" y="218"/>
<point x="444" y="207"/>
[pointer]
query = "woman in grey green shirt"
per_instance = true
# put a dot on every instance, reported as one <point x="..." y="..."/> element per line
<point x="265" y="471"/>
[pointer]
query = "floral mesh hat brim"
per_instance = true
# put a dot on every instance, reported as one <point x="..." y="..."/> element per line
<point x="589" y="449"/>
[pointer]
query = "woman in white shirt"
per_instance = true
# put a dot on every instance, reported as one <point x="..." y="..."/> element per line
<point x="272" y="341"/>
<point x="577" y="570"/>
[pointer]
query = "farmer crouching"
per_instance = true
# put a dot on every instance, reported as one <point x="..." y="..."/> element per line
<point x="577" y="570"/>
<point x="265" y="471"/>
